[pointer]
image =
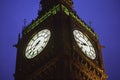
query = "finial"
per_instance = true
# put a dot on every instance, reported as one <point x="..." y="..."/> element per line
<point x="90" y="23"/>
<point x="40" y="7"/>
<point x="90" y="26"/>
<point x="25" y="21"/>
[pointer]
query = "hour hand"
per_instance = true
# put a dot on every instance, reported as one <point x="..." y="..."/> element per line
<point x="84" y="44"/>
<point x="37" y="43"/>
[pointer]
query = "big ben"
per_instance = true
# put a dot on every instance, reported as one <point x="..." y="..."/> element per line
<point x="58" y="45"/>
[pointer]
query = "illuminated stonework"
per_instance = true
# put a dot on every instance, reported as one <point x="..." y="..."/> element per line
<point x="53" y="12"/>
<point x="44" y="17"/>
<point x="58" y="45"/>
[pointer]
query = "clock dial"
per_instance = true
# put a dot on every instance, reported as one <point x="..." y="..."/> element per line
<point x="37" y="43"/>
<point x="84" y="43"/>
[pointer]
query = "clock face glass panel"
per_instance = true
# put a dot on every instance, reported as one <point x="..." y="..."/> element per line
<point x="84" y="44"/>
<point x="37" y="43"/>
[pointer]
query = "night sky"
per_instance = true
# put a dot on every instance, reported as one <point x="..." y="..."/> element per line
<point x="105" y="17"/>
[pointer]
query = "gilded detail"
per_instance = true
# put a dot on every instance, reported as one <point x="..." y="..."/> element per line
<point x="44" y="17"/>
<point x="53" y="12"/>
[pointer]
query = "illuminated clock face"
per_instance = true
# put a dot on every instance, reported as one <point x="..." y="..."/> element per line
<point x="37" y="43"/>
<point x="84" y="44"/>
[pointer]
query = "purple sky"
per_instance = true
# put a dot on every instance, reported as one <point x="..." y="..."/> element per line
<point x="104" y="14"/>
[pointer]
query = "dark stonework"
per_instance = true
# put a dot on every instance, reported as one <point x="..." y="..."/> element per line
<point x="61" y="59"/>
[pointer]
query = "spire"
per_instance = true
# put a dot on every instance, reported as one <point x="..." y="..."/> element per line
<point x="47" y="4"/>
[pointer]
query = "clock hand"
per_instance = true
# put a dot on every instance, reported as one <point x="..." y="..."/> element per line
<point x="84" y="44"/>
<point x="33" y="48"/>
<point x="37" y="43"/>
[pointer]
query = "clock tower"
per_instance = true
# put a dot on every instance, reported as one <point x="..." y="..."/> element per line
<point x="58" y="45"/>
